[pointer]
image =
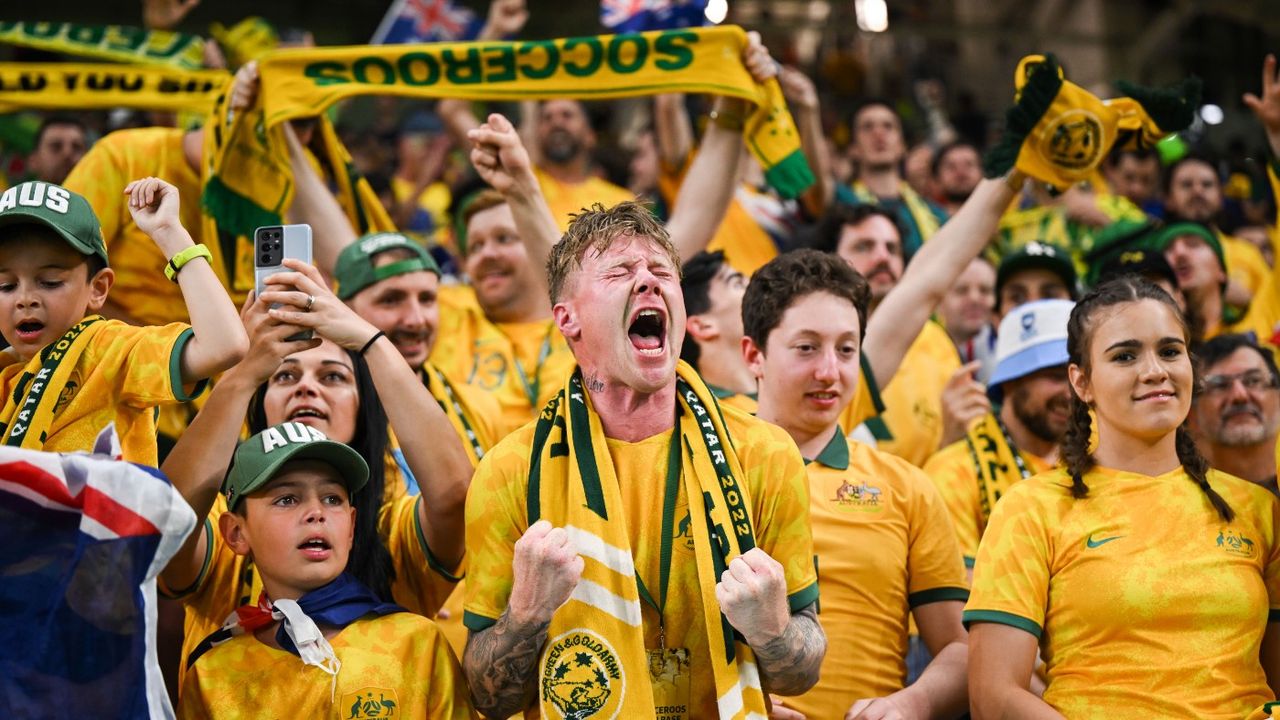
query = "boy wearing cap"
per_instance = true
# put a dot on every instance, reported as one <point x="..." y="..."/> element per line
<point x="289" y="493"/>
<point x="393" y="283"/>
<point x="1021" y="438"/>
<point x="69" y="372"/>
<point x="883" y="543"/>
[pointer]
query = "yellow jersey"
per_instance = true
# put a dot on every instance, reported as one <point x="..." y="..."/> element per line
<point x="523" y="365"/>
<point x="775" y="482"/>
<point x="566" y="199"/>
<point x="393" y="666"/>
<point x="906" y="556"/>
<point x="1145" y="602"/>
<point x="141" y="288"/>
<point x="227" y="580"/>
<point x="913" y="398"/>
<point x="954" y="475"/>
<point x="122" y="376"/>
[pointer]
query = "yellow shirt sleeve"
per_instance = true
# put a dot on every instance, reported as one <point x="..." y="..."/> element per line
<point x="935" y="568"/>
<point x="952" y="473"/>
<point x="422" y="583"/>
<point x="1011" y="575"/>
<point x="151" y="358"/>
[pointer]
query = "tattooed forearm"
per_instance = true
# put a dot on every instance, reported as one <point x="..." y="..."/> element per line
<point x="789" y="663"/>
<point x="500" y="664"/>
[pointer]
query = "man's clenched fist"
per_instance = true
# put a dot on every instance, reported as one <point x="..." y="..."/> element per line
<point x="547" y="568"/>
<point x="752" y="593"/>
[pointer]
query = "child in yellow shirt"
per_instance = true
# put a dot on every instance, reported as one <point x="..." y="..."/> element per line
<point x="69" y="372"/>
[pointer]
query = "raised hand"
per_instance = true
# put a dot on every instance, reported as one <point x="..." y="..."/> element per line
<point x="166" y="14"/>
<point x="244" y="91"/>
<point x="964" y="401"/>
<point x="307" y="302"/>
<point x="547" y="569"/>
<point x="499" y="156"/>
<point x="752" y="594"/>
<point x="1267" y="106"/>
<point x="506" y="18"/>
<point x="268" y="346"/>
<point x="153" y="203"/>
<point x="797" y="88"/>
<point x="755" y="56"/>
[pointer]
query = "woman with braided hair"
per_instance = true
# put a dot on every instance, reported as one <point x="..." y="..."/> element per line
<point x="1147" y="581"/>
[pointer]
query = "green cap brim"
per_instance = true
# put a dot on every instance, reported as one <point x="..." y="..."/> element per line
<point x="352" y="468"/>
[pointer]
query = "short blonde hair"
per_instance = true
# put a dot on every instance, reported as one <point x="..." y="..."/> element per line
<point x="596" y="229"/>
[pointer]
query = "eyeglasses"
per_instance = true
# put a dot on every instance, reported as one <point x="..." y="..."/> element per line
<point x="1252" y="380"/>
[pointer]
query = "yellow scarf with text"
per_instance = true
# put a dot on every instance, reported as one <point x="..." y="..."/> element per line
<point x="29" y="412"/>
<point x="102" y="86"/>
<point x="996" y="461"/>
<point x="118" y="43"/>
<point x="594" y="661"/>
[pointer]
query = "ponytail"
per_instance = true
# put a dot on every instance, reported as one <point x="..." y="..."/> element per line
<point x="1197" y="467"/>
<point x="1075" y="447"/>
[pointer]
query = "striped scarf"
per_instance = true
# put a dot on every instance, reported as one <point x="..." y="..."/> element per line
<point x="29" y="412"/>
<point x="594" y="660"/>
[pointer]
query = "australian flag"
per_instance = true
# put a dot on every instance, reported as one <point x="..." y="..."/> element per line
<point x="622" y="16"/>
<point x="82" y="539"/>
<point x="420" y="21"/>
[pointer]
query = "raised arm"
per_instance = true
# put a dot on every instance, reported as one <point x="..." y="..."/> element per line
<point x="314" y="205"/>
<point x="502" y="161"/>
<point x="802" y="97"/>
<point x="672" y="130"/>
<point x="431" y="447"/>
<point x="199" y="460"/>
<point x="933" y="270"/>
<point x="219" y="340"/>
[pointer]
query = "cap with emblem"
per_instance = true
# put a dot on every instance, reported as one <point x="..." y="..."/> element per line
<point x="355" y="269"/>
<point x="1032" y="337"/>
<point x="259" y="458"/>
<point x="58" y="209"/>
<point x="1037" y="256"/>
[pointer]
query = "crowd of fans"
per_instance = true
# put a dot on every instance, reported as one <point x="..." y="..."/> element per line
<point x="606" y="426"/>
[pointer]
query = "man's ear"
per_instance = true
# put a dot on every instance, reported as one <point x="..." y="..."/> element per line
<point x="1080" y="383"/>
<point x="99" y="286"/>
<point x="567" y="321"/>
<point x="701" y="328"/>
<point x="234" y="532"/>
<point x="754" y="355"/>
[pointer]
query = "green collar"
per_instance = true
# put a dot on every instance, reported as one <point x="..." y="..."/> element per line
<point x="722" y="393"/>
<point x="836" y="454"/>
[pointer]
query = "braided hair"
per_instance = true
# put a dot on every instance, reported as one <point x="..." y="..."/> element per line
<point x="1075" y="443"/>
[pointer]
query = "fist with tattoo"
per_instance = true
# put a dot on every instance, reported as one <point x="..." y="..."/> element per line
<point x="752" y="593"/>
<point x="547" y="568"/>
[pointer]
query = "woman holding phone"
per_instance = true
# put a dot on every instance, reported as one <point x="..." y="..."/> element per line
<point x="1149" y="583"/>
<point x="406" y="550"/>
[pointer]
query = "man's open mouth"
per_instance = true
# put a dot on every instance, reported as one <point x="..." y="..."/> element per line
<point x="648" y="331"/>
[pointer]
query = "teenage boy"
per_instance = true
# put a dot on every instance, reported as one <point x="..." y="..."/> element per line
<point x="803" y="315"/>
<point x="289" y="498"/>
<point x="68" y="372"/>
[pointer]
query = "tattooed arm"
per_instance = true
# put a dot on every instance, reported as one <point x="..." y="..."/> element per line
<point x="789" y="663"/>
<point x="500" y="662"/>
<point x="789" y="648"/>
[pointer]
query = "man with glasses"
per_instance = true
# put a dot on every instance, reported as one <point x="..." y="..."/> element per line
<point x="1236" y="412"/>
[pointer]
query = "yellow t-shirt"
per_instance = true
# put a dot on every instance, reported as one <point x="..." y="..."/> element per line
<point x="1146" y="604"/>
<point x="434" y="200"/>
<point x="392" y="666"/>
<point x="566" y="199"/>
<point x="228" y="580"/>
<point x="511" y="361"/>
<point x="905" y="556"/>
<point x="953" y="473"/>
<point x="775" y="483"/>
<point x="1245" y="263"/>
<point x="141" y="288"/>
<point x="913" y="398"/>
<point x="122" y="376"/>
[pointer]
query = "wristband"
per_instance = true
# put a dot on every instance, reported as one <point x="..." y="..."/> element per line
<point x="177" y="262"/>
<point x="372" y="340"/>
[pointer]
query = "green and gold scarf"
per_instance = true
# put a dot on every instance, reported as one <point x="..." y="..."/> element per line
<point x="29" y="412"/>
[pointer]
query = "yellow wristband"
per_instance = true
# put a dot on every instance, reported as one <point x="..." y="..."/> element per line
<point x="177" y="262"/>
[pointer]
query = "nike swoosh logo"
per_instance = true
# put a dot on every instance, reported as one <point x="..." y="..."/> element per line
<point x="1091" y="543"/>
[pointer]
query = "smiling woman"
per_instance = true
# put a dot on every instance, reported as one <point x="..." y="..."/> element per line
<point x="1135" y="566"/>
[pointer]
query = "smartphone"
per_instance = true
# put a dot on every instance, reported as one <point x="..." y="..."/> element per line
<point x="271" y="245"/>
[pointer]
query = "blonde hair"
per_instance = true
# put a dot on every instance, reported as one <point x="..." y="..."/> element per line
<point x="596" y="229"/>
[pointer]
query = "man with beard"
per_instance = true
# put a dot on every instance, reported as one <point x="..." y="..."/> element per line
<point x="878" y="149"/>
<point x="957" y="170"/>
<point x="1022" y="437"/>
<point x="1236" y="413"/>
<point x="698" y="598"/>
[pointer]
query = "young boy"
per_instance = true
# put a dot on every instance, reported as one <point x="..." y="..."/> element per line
<point x="354" y="656"/>
<point x="69" y="372"/>
<point x="803" y="316"/>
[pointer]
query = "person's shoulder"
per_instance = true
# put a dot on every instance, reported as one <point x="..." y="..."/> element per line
<point x="457" y="296"/>
<point x="949" y="458"/>
<point x="408" y="627"/>
<point x="1237" y="490"/>
<point x="870" y="461"/>
<point x="510" y="454"/>
<point x="746" y="429"/>
<point x="139" y="139"/>
<point x="1052" y="487"/>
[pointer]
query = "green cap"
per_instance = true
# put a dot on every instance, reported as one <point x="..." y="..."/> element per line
<point x="260" y="457"/>
<point x="1171" y="232"/>
<point x="355" y="269"/>
<point x="1038" y="255"/>
<point x="1124" y="237"/>
<point x="57" y="208"/>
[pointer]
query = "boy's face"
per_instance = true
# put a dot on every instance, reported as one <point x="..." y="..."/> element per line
<point x="299" y="528"/>
<point x="45" y="289"/>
